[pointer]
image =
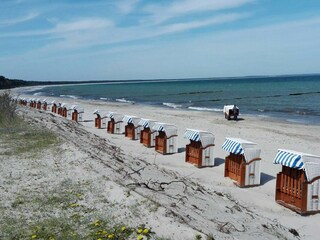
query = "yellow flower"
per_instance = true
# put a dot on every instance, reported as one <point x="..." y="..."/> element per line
<point x="104" y="232"/>
<point x="140" y="237"/>
<point x="34" y="236"/>
<point x="99" y="239"/>
<point x="146" y="231"/>
<point x="139" y="230"/>
<point x="123" y="229"/>
<point x="110" y="235"/>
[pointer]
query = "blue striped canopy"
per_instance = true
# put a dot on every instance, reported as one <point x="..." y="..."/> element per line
<point x="144" y="123"/>
<point x="192" y="135"/>
<point x="232" y="146"/>
<point x="206" y="138"/>
<point x="127" y="119"/>
<point x="159" y="128"/>
<point x="289" y="159"/>
<point x="110" y="114"/>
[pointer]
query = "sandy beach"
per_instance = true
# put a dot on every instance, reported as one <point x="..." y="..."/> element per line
<point x="192" y="200"/>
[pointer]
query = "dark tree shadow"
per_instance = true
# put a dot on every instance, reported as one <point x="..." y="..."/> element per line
<point x="88" y="121"/>
<point x="182" y="149"/>
<point x="218" y="161"/>
<point x="265" y="178"/>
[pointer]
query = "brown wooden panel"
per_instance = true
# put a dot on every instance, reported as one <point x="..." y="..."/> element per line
<point x="129" y="131"/>
<point x="111" y="126"/>
<point x="194" y="153"/>
<point x="161" y="143"/>
<point x="145" y="137"/>
<point x="291" y="189"/>
<point x="235" y="168"/>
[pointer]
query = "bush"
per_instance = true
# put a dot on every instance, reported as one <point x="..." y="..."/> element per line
<point x="8" y="115"/>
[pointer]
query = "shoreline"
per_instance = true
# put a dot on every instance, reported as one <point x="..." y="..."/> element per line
<point x="269" y="135"/>
<point x="272" y="117"/>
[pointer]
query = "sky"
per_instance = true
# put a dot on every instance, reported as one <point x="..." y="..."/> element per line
<point x="72" y="40"/>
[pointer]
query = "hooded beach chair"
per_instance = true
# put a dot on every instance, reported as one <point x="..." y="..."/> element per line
<point x="44" y="104"/>
<point x="200" y="150"/>
<point x="54" y="106"/>
<point x="76" y="113"/>
<point x="148" y="135"/>
<point x="298" y="184"/>
<point x="64" y="110"/>
<point x="132" y="127"/>
<point x="38" y="104"/>
<point x="100" y="120"/>
<point x="166" y="139"/>
<point x="115" y="124"/>
<point x="243" y="162"/>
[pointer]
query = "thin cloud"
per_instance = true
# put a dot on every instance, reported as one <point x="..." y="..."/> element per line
<point x="160" y="14"/>
<point x="127" y="6"/>
<point x="14" y="21"/>
<point x="82" y="25"/>
<point x="220" y="19"/>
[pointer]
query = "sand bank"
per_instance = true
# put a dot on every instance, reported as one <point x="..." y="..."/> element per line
<point x="212" y="209"/>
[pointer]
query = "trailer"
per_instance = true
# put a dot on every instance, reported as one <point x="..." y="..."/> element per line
<point x="243" y="162"/>
<point x="132" y="127"/>
<point x="298" y="184"/>
<point x="147" y="135"/>
<point x="231" y="111"/>
<point x="166" y="139"/>
<point x="199" y="151"/>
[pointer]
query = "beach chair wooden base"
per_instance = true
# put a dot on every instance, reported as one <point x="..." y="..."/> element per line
<point x="97" y="122"/>
<point x="75" y="116"/>
<point x="145" y="137"/>
<point x="64" y="112"/>
<point x="130" y="131"/>
<point x="296" y="193"/>
<point x="235" y="168"/>
<point x="195" y="152"/>
<point x="54" y="109"/>
<point x="111" y="126"/>
<point x="163" y="145"/>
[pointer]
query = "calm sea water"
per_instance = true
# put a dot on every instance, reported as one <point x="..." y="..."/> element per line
<point x="294" y="98"/>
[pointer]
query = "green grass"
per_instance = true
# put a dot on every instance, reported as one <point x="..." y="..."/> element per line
<point x="62" y="213"/>
<point x="18" y="141"/>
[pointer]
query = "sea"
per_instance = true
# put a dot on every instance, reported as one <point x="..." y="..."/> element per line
<point x="289" y="98"/>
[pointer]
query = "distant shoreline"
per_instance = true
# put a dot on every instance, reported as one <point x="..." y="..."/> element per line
<point x="29" y="83"/>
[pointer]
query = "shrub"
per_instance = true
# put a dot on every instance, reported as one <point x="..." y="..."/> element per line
<point x="8" y="116"/>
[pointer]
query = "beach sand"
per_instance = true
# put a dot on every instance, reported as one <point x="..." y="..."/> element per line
<point x="196" y="200"/>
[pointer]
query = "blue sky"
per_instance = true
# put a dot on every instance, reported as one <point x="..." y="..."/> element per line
<point x="140" y="39"/>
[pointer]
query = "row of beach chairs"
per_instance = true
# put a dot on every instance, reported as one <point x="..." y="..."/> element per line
<point x="297" y="185"/>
